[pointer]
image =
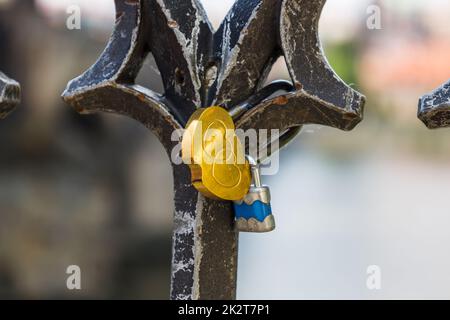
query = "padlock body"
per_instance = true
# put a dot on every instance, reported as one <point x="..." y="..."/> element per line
<point x="258" y="210"/>
<point x="254" y="212"/>
<point x="216" y="157"/>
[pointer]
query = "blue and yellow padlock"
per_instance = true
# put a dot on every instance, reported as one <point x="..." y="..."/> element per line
<point x="254" y="212"/>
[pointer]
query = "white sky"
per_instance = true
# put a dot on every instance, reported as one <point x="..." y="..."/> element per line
<point x="347" y="14"/>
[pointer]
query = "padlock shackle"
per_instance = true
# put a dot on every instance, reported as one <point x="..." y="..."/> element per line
<point x="256" y="174"/>
<point x="253" y="162"/>
<point x="265" y="93"/>
<point x="283" y="140"/>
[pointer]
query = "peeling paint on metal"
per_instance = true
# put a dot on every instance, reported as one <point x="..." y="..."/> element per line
<point x="227" y="67"/>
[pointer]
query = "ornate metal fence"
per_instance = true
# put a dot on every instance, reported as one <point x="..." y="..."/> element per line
<point x="201" y="67"/>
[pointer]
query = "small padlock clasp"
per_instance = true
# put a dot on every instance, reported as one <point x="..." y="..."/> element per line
<point x="254" y="212"/>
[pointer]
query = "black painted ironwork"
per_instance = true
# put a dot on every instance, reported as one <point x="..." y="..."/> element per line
<point x="9" y="95"/>
<point x="434" y="108"/>
<point x="202" y="67"/>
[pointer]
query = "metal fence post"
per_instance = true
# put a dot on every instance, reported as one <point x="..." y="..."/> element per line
<point x="199" y="68"/>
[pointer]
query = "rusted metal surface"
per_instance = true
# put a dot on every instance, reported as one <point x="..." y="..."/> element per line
<point x="199" y="68"/>
<point x="434" y="108"/>
<point x="9" y="95"/>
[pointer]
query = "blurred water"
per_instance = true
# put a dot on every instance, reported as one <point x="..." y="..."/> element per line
<point x="334" y="219"/>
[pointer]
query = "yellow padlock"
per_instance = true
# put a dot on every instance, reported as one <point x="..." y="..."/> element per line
<point x="215" y="155"/>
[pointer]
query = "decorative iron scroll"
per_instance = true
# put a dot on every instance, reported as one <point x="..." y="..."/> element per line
<point x="434" y="108"/>
<point x="201" y="67"/>
<point x="9" y="95"/>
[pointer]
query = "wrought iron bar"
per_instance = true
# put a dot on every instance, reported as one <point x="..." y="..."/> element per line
<point x="202" y="67"/>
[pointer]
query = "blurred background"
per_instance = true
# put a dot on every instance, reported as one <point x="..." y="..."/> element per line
<point x="96" y="191"/>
